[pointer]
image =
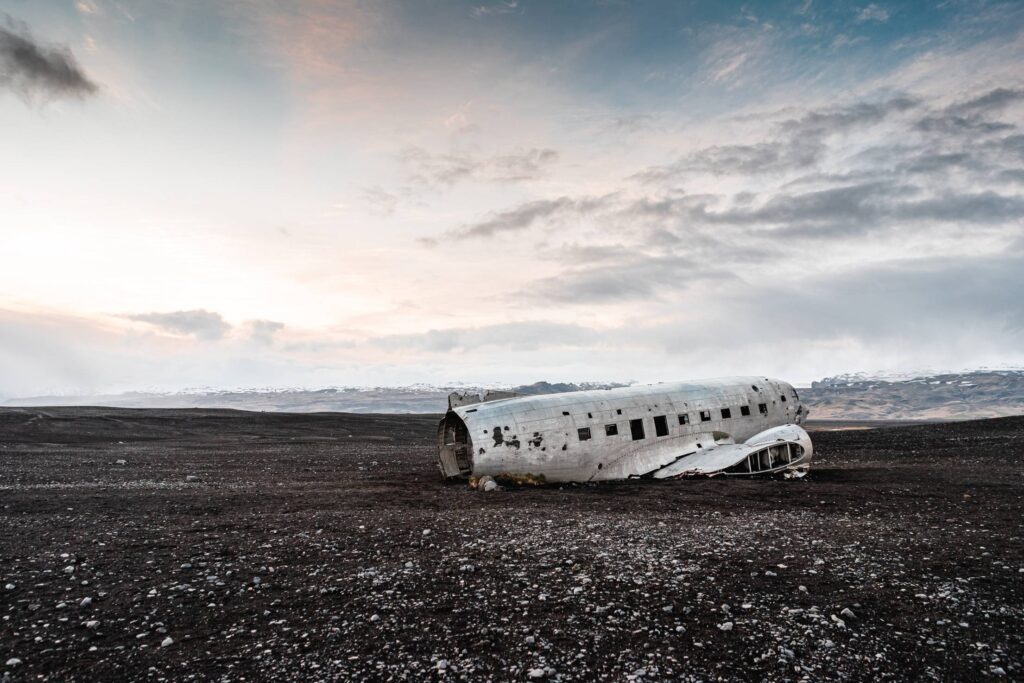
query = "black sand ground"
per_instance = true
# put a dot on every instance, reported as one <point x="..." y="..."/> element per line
<point x="283" y="547"/>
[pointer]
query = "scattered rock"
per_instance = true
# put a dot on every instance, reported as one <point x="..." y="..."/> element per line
<point x="167" y="642"/>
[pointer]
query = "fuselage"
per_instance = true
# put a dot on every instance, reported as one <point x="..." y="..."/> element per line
<point x="613" y="433"/>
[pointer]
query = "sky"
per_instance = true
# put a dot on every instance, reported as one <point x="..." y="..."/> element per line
<point x="310" y="193"/>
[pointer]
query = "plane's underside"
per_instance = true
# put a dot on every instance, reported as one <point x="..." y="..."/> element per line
<point x="736" y="426"/>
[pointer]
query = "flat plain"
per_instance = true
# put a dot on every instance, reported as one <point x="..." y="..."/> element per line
<point x="227" y="545"/>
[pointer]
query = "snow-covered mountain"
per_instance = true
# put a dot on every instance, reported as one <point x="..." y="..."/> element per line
<point x="961" y="395"/>
<point x="859" y="396"/>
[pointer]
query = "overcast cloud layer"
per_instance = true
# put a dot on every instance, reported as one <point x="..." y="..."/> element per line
<point x="315" y="193"/>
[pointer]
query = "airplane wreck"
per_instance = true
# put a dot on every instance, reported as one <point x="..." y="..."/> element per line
<point x="733" y="426"/>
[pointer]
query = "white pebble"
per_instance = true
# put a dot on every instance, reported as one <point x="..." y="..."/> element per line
<point x="9" y="587"/>
<point x="85" y="602"/>
<point x="13" y="661"/>
<point x="727" y="626"/>
<point x="426" y="532"/>
<point x="536" y="673"/>
<point x="167" y="642"/>
<point x="92" y="623"/>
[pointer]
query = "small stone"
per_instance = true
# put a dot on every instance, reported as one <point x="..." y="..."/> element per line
<point x="186" y="565"/>
<point x="536" y="673"/>
<point x="802" y="589"/>
<point x="426" y="532"/>
<point x="847" y="613"/>
<point x="490" y="485"/>
<point x="442" y="664"/>
<point x="375" y="618"/>
<point x="13" y="661"/>
<point x="998" y="671"/>
<point x="530" y="640"/>
<point x="85" y="602"/>
<point x="839" y="622"/>
<point x="191" y="477"/>
<point x="121" y="461"/>
<point x="727" y="626"/>
<point x="92" y="623"/>
<point x="9" y="587"/>
<point x="167" y="642"/>
<point x="70" y="569"/>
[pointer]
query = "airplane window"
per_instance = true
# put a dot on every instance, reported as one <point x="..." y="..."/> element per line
<point x="611" y="430"/>
<point x="660" y="425"/>
<point x="618" y="411"/>
<point x="636" y="429"/>
<point x="705" y="416"/>
<point x="744" y="411"/>
<point x="783" y="397"/>
<point x="754" y="387"/>
<point x="763" y="407"/>
<point x="565" y="412"/>
<point x="726" y="413"/>
<point x="684" y="419"/>
<point x="584" y="433"/>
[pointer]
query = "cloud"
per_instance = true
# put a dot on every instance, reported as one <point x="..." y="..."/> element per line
<point x="525" y="216"/>
<point x="505" y="7"/>
<point x="429" y="169"/>
<point x="873" y="13"/>
<point x="970" y="117"/>
<point x="263" y="331"/>
<point x="201" y="323"/>
<point x="526" y="335"/>
<point x="30" y="69"/>
<point x="800" y="143"/>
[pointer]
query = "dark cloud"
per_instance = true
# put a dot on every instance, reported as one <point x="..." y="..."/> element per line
<point x="765" y="157"/>
<point x="971" y="117"/>
<point x="526" y="215"/>
<point x="31" y="69"/>
<point x="801" y="143"/>
<point x="426" y="168"/>
<point x="854" y="209"/>
<point x="201" y="323"/>
<point x="841" y="119"/>
<point x="993" y="100"/>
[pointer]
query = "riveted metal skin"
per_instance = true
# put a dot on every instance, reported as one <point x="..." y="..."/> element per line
<point x="730" y="426"/>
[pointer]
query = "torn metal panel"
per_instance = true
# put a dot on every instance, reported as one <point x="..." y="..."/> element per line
<point x="731" y="426"/>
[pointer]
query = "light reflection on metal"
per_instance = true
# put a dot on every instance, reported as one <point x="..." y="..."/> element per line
<point x="733" y="426"/>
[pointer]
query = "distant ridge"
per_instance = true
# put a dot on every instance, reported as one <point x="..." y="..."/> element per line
<point x="420" y="398"/>
<point x="857" y="396"/>
<point x="960" y="395"/>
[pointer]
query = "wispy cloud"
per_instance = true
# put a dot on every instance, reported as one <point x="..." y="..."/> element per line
<point x="873" y="12"/>
<point x="31" y="69"/>
<point x="449" y="168"/>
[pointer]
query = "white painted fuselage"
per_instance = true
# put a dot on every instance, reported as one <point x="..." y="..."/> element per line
<point x="733" y="425"/>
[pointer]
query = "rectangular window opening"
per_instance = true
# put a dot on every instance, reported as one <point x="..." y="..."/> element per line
<point x="783" y="397"/>
<point x="660" y="425"/>
<point x="744" y="411"/>
<point x="763" y="408"/>
<point x="705" y="416"/>
<point x="684" y="419"/>
<point x="611" y="430"/>
<point x="726" y="413"/>
<point x="636" y="429"/>
<point x="584" y="433"/>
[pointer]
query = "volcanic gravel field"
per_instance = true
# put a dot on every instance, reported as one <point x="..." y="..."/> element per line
<point x="222" y="545"/>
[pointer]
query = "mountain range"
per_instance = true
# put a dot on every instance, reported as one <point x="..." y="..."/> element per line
<point x="861" y="396"/>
